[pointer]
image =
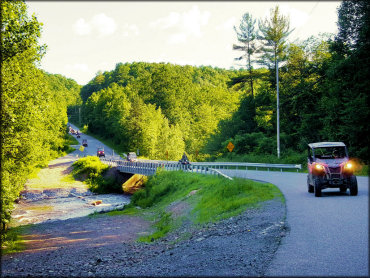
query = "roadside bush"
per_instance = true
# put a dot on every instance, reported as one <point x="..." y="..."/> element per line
<point x="92" y="171"/>
<point x="89" y="167"/>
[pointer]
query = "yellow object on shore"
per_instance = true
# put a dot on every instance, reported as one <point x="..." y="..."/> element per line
<point x="134" y="183"/>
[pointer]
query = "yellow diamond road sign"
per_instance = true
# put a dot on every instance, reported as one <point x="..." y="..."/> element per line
<point x="82" y="148"/>
<point x="230" y="146"/>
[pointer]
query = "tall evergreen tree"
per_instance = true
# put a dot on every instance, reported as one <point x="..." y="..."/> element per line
<point x="274" y="31"/>
<point x="247" y="36"/>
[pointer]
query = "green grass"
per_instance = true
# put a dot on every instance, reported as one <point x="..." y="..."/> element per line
<point x="163" y="226"/>
<point x="11" y="240"/>
<point x="213" y="199"/>
<point x="362" y="170"/>
<point x="68" y="178"/>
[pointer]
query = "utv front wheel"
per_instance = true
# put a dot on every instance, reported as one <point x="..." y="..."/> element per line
<point x="353" y="188"/>
<point x="310" y="187"/>
<point x="317" y="185"/>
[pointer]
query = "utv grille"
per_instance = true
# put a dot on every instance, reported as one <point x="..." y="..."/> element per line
<point x="335" y="170"/>
<point x="335" y="176"/>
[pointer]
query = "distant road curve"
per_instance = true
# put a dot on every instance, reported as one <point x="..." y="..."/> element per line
<point x="329" y="236"/>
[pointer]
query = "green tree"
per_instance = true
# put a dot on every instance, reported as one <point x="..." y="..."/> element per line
<point x="274" y="31"/>
<point x="33" y="114"/>
<point x="247" y="35"/>
<point x="19" y="33"/>
<point x="347" y="80"/>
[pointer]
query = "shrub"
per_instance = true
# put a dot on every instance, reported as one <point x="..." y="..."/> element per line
<point x="92" y="171"/>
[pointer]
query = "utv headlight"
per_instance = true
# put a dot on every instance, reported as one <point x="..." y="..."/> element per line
<point x="318" y="169"/>
<point x="348" y="168"/>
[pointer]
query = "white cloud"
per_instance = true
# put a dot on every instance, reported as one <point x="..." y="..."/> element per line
<point x="77" y="67"/>
<point x="227" y="25"/>
<point x="297" y="17"/>
<point x="101" y="23"/>
<point x="183" y="25"/>
<point x="194" y="19"/>
<point x="81" y="27"/>
<point x="104" y="24"/>
<point x="166" y="22"/>
<point x="130" y="29"/>
<point x="177" y="38"/>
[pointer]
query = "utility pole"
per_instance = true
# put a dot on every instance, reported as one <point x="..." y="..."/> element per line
<point x="277" y="108"/>
<point x="79" y="115"/>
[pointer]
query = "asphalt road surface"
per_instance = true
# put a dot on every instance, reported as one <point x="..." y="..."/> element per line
<point x="92" y="145"/>
<point x="329" y="235"/>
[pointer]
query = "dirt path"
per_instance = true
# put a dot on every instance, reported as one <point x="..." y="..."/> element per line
<point x="56" y="175"/>
<point x="84" y="232"/>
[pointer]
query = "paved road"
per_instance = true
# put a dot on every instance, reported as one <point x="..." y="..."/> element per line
<point x="93" y="145"/>
<point x="329" y="236"/>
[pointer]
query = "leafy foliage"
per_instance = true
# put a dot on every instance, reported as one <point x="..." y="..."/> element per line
<point x="95" y="173"/>
<point x="322" y="93"/>
<point x="160" y="109"/>
<point x="34" y="112"/>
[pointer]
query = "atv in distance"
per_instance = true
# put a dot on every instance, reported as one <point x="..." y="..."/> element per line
<point x="100" y="152"/>
<point x="84" y="142"/>
<point x="329" y="167"/>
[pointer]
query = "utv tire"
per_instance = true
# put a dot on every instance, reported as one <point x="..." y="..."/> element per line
<point x="310" y="187"/>
<point x="317" y="186"/>
<point x="353" y="188"/>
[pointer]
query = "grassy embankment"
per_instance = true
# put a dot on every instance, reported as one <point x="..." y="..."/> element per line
<point x="199" y="199"/>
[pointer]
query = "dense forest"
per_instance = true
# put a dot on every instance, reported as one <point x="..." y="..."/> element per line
<point x="164" y="109"/>
<point x="159" y="109"/>
<point x="33" y="104"/>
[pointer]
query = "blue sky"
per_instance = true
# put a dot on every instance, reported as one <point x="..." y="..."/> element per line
<point x="86" y="37"/>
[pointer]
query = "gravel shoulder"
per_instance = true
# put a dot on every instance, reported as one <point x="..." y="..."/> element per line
<point x="107" y="246"/>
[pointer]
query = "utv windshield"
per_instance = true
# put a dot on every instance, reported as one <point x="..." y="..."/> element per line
<point x="330" y="152"/>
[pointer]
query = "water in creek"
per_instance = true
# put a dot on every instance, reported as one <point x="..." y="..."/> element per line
<point x="39" y="210"/>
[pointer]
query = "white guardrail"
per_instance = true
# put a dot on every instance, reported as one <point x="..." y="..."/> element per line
<point x="150" y="167"/>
